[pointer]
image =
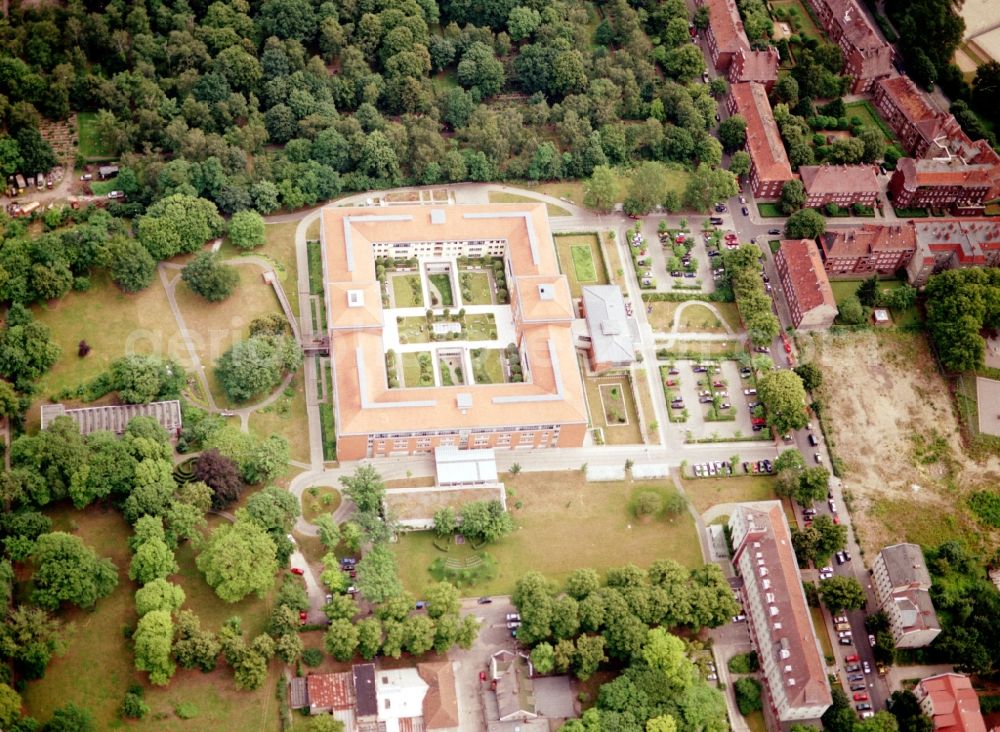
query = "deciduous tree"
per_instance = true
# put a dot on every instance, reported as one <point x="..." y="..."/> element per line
<point x="69" y="571"/>
<point x="207" y="276"/>
<point x="238" y="559"/>
<point x="152" y="639"/>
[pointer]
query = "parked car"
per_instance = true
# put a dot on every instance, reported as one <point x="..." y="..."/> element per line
<point x="762" y="349"/>
<point x="864" y="707"/>
<point x="861" y="696"/>
<point x="841" y="557"/>
<point x="513" y="616"/>
<point x="812" y="440"/>
<point x="830" y="503"/>
<point x="298" y="570"/>
<point x="725" y="405"/>
<point x="867" y="714"/>
<point x="866" y="666"/>
<point x="856" y="677"/>
<point x="116" y="194"/>
<point x="746" y="211"/>
<point x="853" y="658"/>
<point x="739" y="618"/>
<point x="818" y="457"/>
<point x="858" y="687"/>
<point x="750" y="392"/>
<point x="677" y="405"/>
<point x="846" y="641"/>
<point x="840" y="619"/>
<point x="774" y="232"/>
<point x="853" y="668"/>
<point x="512" y="624"/>
<point x="352" y="590"/>
<point x="871" y="640"/>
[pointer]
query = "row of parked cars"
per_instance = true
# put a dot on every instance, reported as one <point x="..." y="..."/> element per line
<point x="719" y="467"/>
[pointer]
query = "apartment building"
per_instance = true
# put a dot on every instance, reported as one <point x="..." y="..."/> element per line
<point x="902" y="590"/>
<point x="869" y="249"/>
<point x="781" y="628"/>
<point x="953" y="243"/>
<point x="725" y="34"/>
<point x="843" y="185"/>
<point x="769" y="166"/>
<point x="951" y="702"/>
<point x="757" y="66"/>
<point x="940" y="183"/>
<point x="867" y="58"/>
<point x="543" y="407"/>
<point x="807" y="288"/>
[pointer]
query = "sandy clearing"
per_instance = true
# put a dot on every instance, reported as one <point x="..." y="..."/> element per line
<point x="888" y="412"/>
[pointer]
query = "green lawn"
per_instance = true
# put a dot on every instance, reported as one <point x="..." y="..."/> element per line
<point x="314" y="250"/>
<point x="91" y="146"/>
<point x="480" y="327"/>
<point x="319" y="500"/>
<point x="411" y="368"/>
<point x="487" y="366"/>
<point x="911" y="213"/>
<point x="804" y="22"/>
<point x="103" y="187"/>
<point x="445" y="370"/>
<point x="843" y="289"/>
<point x="821" y="631"/>
<point x="476" y="288"/>
<point x="769" y="210"/>
<point x="406" y="291"/>
<point x="610" y="399"/>
<point x="869" y="118"/>
<point x="583" y="264"/>
<point x="413" y="329"/>
<point x="699" y="319"/>
<point x="286" y="417"/>
<point x="98" y="665"/>
<point x="563" y="523"/>
<point x="571" y="250"/>
<point x="442" y="284"/>
<point x="503" y="197"/>
<point x="707" y="492"/>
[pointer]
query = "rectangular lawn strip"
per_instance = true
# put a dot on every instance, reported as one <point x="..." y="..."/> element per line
<point x="103" y="187"/>
<point x="442" y="282"/>
<point x="583" y="264"/>
<point x="821" y="632"/>
<point x="326" y="417"/>
<point x="91" y="146"/>
<point x="707" y="492"/>
<point x="869" y="117"/>
<point x="646" y="405"/>
<point x="315" y="251"/>
<point x="411" y="368"/>
<point x="769" y="210"/>
<point x="480" y="327"/>
<point x="475" y="286"/>
<point x="286" y="417"/>
<point x="566" y="249"/>
<point x="504" y="197"/>
<point x="445" y="370"/>
<point x="487" y="367"/>
<point x="563" y="523"/>
<point x="413" y="329"/>
<point x="600" y="402"/>
<point x="700" y="349"/>
<point x="406" y="291"/>
<point x="613" y="262"/>
<point x="98" y="665"/>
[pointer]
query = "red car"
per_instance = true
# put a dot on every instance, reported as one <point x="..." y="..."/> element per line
<point x="302" y="616"/>
<point x="298" y="571"/>
<point x="836" y="519"/>
<point x="861" y="696"/>
<point x="670" y="382"/>
<point x="788" y="348"/>
<point x="852" y="659"/>
<point x="482" y="676"/>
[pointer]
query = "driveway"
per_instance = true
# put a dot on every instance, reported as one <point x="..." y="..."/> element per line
<point x="314" y="588"/>
<point x="493" y="636"/>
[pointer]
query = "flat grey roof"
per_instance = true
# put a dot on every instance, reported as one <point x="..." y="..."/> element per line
<point x="905" y="565"/>
<point x="115" y="418"/>
<point x="454" y="466"/>
<point x="607" y="321"/>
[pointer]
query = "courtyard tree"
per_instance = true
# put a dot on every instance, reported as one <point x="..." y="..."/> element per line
<point x="739" y="163"/>
<point x="442" y="598"/>
<point x="485" y="521"/>
<point x="252" y="366"/>
<point x="377" y="578"/>
<point x="784" y="399"/>
<point x="805" y="224"/>
<point x="733" y="133"/>
<point x="207" y="276"/>
<point x="341" y="639"/>
<point x="793" y="196"/>
<point x="842" y="593"/>
<point x="246" y="229"/>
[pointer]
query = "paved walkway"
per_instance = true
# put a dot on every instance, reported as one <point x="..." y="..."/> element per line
<point x="675" y="327"/>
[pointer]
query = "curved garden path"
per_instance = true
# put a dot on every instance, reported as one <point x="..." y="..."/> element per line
<point x="675" y="327"/>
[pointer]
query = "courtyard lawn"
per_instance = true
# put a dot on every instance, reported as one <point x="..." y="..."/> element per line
<point x="406" y="291"/>
<point x="480" y="327"/>
<point x="571" y="250"/>
<point x="475" y="286"/>
<point x="869" y="118"/>
<point x="697" y="318"/>
<point x="413" y="329"/>
<point x="441" y="284"/>
<point x="769" y="210"/>
<point x="806" y="26"/>
<point x="563" y="523"/>
<point x="113" y="324"/>
<point x="843" y="289"/>
<point x="98" y="665"/>
<point x="286" y="417"/>
<point x="583" y="264"/>
<point x="91" y="146"/>
<point x="411" y="369"/>
<point x="611" y="400"/>
<point x="487" y="367"/>
<point x="707" y="492"/>
<point x="504" y="197"/>
<point x="319" y="500"/>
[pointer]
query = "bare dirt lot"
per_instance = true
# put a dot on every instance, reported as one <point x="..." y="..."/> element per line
<point x="891" y="422"/>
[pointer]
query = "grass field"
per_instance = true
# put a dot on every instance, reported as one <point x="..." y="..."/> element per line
<point x="113" y="324"/>
<point x="91" y="146"/>
<point x="476" y="285"/>
<point x="286" y="417"/>
<point x="697" y="318"/>
<point x="707" y="492"/>
<point x="563" y="523"/>
<point x="279" y="249"/>
<point x="608" y="398"/>
<point x="698" y="349"/>
<point x="646" y="405"/>
<point x="325" y="500"/>
<point x="583" y="264"/>
<point x="412" y="329"/>
<point x="103" y="187"/>
<point x="570" y="250"/>
<point x="406" y="291"/>
<point x="442" y="284"/>
<point x="487" y="367"/>
<point x="411" y="368"/>
<point x="504" y="197"/>
<point x="98" y="665"/>
<point x="869" y="118"/>
<point x="769" y="210"/>
<point x="215" y="326"/>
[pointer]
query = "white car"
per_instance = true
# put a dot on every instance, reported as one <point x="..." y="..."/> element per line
<point x="823" y="574"/>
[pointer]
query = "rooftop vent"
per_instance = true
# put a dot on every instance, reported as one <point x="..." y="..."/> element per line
<point x="355" y="298"/>
<point x="437" y="216"/>
<point x="777" y="626"/>
<point x="788" y="668"/>
<point x="548" y="292"/>
<point x="464" y="401"/>
<point x="773" y="609"/>
<point x="763" y="571"/>
<point x="791" y="682"/>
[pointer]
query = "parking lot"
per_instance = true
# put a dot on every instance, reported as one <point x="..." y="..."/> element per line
<point x="660" y="254"/>
<point x="690" y="387"/>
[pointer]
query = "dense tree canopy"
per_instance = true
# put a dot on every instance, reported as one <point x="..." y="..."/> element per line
<point x="960" y="303"/>
<point x="239" y="559"/>
<point x="252" y="366"/>
<point x="69" y="571"/>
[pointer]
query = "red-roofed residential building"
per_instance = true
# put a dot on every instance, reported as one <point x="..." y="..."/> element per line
<point x="867" y="58"/>
<point x="910" y="114"/>
<point x="840" y="184"/>
<point x="725" y="34"/>
<point x="952" y="244"/>
<point x="807" y="288"/>
<point x="951" y="702"/>
<point x="758" y="66"/>
<point x="937" y="183"/>
<point x="330" y="693"/>
<point x="769" y="166"/>
<point x="781" y="627"/>
<point x="870" y="248"/>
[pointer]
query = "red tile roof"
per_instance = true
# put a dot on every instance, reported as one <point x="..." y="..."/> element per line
<point x="954" y="702"/>
<point x="806" y="275"/>
<point x="763" y="138"/>
<point x="761" y="66"/>
<point x="869" y="238"/>
<point x="330" y="691"/>
<point x="727" y="27"/>
<point x="954" y="172"/>
<point x="911" y="101"/>
<point x="819" y="179"/>
<point x="441" y="701"/>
